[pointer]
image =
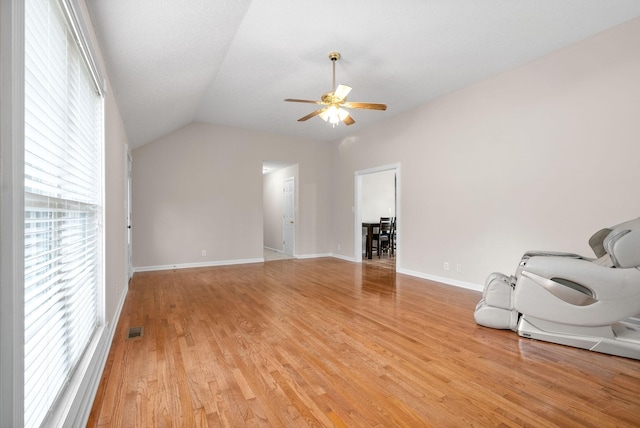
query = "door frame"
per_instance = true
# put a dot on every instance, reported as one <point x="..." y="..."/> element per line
<point x="129" y="213"/>
<point x="358" y="208"/>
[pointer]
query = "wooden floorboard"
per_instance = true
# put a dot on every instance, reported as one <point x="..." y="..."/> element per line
<point x="326" y="342"/>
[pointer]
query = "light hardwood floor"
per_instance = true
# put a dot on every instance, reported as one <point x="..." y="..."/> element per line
<point x="325" y="342"/>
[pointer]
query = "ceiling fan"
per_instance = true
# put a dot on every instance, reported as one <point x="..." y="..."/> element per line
<point x="335" y="102"/>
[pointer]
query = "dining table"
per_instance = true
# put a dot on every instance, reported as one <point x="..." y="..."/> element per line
<point x="370" y="226"/>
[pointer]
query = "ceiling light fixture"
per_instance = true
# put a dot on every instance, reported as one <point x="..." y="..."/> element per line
<point x="334" y="101"/>
<point x="334" y="115"/>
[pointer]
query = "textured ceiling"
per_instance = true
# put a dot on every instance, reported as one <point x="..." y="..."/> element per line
<point x="232" y="62"/>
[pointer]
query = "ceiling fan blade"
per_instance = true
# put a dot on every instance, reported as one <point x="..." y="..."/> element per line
<point x="293" y="100"/>
<point x="348" y="120"/>
<point x="368" y="106"/>
<point x="310" y="115"/>
<point x="341" y="92"/>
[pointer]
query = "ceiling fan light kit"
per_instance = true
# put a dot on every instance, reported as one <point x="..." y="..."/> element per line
<point x="334" y="115"/>
<point x="335" y="102"/>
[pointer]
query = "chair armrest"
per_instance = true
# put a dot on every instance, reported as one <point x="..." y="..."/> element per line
<point x="605" y="283"/>
<point x="538" y="253"/>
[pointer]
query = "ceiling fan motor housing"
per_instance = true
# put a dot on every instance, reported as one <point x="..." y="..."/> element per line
<point x="331" y="98"/>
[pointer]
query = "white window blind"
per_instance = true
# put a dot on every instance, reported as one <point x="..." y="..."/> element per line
<point x="63" y="198"/>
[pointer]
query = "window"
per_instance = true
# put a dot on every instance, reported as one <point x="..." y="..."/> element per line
<point x="63" y="275"/>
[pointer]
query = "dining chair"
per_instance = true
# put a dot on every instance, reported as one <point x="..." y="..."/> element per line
<point x="394" y="226"/>
<point x="382" y="239"/>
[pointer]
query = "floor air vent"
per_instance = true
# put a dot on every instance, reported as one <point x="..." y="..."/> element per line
<point x="134" y="332"/>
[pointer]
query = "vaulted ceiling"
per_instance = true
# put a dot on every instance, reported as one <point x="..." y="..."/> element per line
<point x="232" y="62"/>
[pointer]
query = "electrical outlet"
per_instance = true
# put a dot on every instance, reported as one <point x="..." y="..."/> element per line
<point x="446" y="266"/>
<point x="458" y="267"/>
<point x="338" y="247"/>
<point x="204" y="253"/>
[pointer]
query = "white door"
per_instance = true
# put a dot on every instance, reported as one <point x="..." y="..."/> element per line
<point x="288" y="217"/>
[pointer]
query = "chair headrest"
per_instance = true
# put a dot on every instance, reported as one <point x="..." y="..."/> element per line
<point x="622" y="243"/>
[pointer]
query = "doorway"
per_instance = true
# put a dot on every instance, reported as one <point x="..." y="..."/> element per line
<point x="288" y="216"/>
<point x="280" y="196"/>
<point x="376" y="195"/>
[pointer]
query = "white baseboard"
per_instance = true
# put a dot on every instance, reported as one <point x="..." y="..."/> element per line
<point x="345" y="258"/>
<point x="313" y="256"/>
<point x="441" y="279"/>
<point x="197" y="265"/>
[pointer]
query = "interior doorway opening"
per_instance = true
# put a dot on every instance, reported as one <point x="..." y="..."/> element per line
<point x="280" y="208"/>
<point x="377" y="194"/>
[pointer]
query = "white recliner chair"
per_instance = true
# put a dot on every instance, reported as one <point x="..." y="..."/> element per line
<point x="590" y="303"/>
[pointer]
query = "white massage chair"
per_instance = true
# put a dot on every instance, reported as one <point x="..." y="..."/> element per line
<point x="589" y="303"/>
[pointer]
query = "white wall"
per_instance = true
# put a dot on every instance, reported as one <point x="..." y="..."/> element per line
<point x="539" y="157"/>
<point x="200" y="188"/>
<point x="272" y="197"/>
<point x="378" y="195"/>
